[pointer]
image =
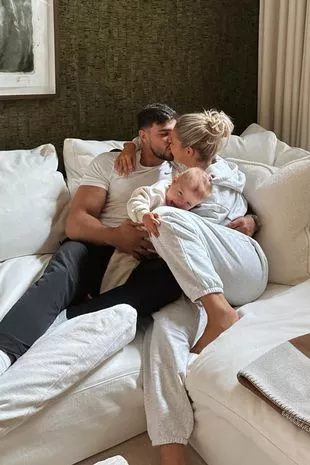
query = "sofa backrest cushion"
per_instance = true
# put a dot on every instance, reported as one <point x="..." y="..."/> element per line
<point x="33" y="200"/>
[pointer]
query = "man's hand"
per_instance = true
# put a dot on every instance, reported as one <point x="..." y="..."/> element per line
<point x="125" y="163"/>
<point x="151" y="223"/>
<point x="129" y="238"/>
<point x="244" y="224"/>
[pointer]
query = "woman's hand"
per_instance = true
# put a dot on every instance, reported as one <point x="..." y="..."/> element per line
<point x="244" y="224"/>
<point x="125" y="163"/>
<point x="151" y="223"/>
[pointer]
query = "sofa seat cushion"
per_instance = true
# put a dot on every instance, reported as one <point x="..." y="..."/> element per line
<point x="61" y="358"/>
<point x="213" y="385"/>
<point x="104" y="409"/>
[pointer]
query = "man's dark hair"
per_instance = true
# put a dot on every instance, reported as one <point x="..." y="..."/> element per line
<point x="158" y="113"/>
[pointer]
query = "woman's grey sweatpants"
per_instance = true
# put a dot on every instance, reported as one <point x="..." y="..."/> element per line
<point x="204" y="258"/>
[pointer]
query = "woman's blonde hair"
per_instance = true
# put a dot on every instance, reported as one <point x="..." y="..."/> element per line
<point x="205" y="132"/>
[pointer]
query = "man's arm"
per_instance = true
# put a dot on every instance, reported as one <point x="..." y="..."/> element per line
<point x="83" y="223"/>
<point x="83" y="219"/>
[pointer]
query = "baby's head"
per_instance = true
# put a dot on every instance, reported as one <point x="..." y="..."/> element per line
<point x="189" y="189"/>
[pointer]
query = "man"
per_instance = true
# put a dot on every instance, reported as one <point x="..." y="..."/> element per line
<point x="97" y="224"/>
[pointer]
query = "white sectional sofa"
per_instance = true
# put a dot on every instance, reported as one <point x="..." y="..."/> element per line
<point x="82" y="398"/>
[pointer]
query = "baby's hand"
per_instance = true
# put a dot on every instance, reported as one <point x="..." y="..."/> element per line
<point x="151" y="223"/>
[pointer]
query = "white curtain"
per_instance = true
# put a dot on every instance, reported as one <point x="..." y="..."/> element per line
<point x="284" y="70"/>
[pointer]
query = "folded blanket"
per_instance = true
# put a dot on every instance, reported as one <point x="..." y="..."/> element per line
<point x="282" y="378"/>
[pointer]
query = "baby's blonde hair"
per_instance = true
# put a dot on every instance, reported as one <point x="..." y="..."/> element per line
<point x="197" y="180"/>
<point x="205" y="132"/>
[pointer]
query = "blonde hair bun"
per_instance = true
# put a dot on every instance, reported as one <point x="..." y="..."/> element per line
<point x="206" y="132"/>
<point x="218" y="125"/>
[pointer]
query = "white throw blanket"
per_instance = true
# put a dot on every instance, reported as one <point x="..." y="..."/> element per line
<point x="282" y="378"/>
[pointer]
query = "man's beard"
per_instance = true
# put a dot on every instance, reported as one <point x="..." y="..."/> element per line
<point x="165" y="156"/>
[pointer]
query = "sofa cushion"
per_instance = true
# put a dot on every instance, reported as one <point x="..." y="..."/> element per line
<point x="59" y="360"/>
<point x="281" y="198"/>
<point x="79" y="153"/>
<point x="33" y="200"/>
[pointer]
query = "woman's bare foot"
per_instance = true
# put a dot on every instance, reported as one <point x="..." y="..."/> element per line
<point x="212" y="332"/>
<point x="172" y="454"/>
<point x="221" y="316"/>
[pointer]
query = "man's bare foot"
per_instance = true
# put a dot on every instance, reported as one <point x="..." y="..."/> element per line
<point x="214" y="328"/>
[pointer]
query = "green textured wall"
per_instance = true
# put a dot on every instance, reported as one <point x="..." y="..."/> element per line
<point x="117" y="55"/>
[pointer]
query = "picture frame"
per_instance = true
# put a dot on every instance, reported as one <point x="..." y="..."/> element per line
<point x="27" y="49"/>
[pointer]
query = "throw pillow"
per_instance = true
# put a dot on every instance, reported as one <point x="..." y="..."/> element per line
<point x="280" y="197"/>
<point x="284" y="153"/>
<point x="257" y="146"/>
<point x="33" y="200"/>
<point x="79" y="153"/>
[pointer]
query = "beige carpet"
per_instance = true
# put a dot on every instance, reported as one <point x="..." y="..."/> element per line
<point x="138" y="451"/>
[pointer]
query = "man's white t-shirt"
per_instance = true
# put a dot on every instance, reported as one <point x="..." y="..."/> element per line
<point x="101" y="173"/>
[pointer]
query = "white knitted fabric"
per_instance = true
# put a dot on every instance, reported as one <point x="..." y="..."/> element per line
<point x="117" y="460"/>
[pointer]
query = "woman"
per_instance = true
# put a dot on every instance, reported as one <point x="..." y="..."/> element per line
<point x="216" y="267"/>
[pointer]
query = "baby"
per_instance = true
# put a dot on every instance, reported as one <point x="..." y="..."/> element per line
<point x="186" y="191"/>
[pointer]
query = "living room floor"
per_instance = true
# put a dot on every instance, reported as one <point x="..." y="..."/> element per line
<point x="138" y="451"/>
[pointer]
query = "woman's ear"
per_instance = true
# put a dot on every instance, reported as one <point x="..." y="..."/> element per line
<point x="190" y="151"/>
